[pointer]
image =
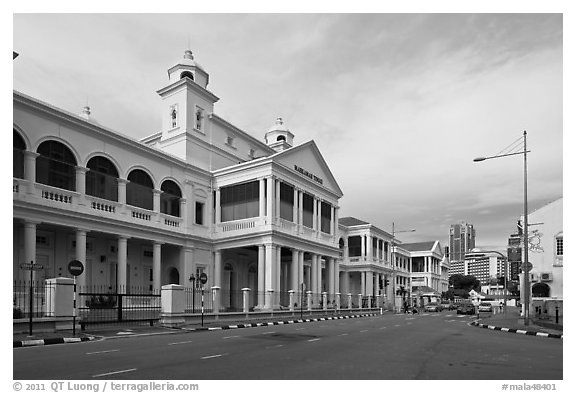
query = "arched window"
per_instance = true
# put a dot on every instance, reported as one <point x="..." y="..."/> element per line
<point x="56" y="166"/>
<point x="102" y="179"/>
<point x="19" y="147"/>
<point x="187" y="74"/>
<point x="170" y="198"/>
<point x="281" y="138"/>
<point x="139" y="190"/>
<point x="540" y="290"/>
<point x="173" y="276"/>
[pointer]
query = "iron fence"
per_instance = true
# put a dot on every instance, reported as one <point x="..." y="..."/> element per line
<point x="104" y="305"/>
<point x="31" y="298"/>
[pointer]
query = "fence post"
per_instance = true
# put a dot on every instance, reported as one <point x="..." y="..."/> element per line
<point x="337" y="302"/>
<point x="216" y="301"/>
<point x="324" y="300"/>
<point x="246" y="300"/>
<point x="349" y="301"/>
<point x="291" y="299"/>
<point x="309" y="300"/>
<point x="360" y="301"/>
<point x="173" y="303"/>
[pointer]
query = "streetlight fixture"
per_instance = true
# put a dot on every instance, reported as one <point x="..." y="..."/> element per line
<point x="392" y="252"/>
<point x="525" y="232"/>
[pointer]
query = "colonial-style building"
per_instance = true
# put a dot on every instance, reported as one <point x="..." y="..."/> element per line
<point x="198" y="196"/>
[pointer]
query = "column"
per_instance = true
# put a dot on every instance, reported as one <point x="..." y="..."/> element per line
<point x="218" y="268"/>
<point x="122" y="191"/>
<point x="369" y="247"/>
<point x="369" y="284"/>
<point x="277" y="272"/>
<point x="336" y="218"/>
<point x="183" y="212"/>
<point x="319" y="266"/>
<point x="188" y="210"/>
<point x="81" y="280"/>
<point x="157" y="267"/>
<point x="346" y="256"/>
<point x="277" y="198"/>
<point x="81" y="182"/>
<point x="336" y="276"/>
<point x="261" y="275"/>
<point x="301" y="267"/>
<point x="295" y="207"/>
<point x="270" y="198"/>
<point x="314" y="274"/>
<point x="363" y="247"/>
<point x="269" y="280"/>
<point x="121" y="277"/>
<point x="262" y="198"/>
<point x="300" y="208"/>
<point x="319" y="216"/>
<point x="29" y="242"/>
<point x="218" y="211"/>
<point x="30" y="173"/>
<point x="332" y="229"/>
<point x="363" y="283"/>
<point x="186" y="266"/>
<point x="330" y="276"/>
<point x="315" y="214"/>
<point x="294" y="272"/>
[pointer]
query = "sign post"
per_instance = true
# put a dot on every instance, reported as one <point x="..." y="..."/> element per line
<point x="203" y="280"/>
<point x="31" y="266"/>
<point x="75" y="268"/>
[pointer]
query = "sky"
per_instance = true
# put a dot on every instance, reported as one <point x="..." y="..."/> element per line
<point x="398" y="104"/>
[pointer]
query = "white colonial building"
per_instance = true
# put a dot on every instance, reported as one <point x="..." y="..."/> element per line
<point x="198" y="196"/>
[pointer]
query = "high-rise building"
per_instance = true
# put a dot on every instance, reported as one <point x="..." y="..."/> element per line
<point x="462" y="239"/>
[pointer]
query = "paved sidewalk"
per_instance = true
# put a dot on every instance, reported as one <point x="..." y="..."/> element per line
<point x="511" y="321"/>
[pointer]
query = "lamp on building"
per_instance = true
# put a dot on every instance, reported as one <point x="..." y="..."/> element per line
<point x="525" y="232"/>
<point x="393" y="257"/>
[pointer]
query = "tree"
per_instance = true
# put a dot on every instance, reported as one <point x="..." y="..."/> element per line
<point x="466" y="283"/>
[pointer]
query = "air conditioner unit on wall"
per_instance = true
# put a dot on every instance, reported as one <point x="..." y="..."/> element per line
<point x="534" y="276"/>
<point x="546" y="276"/>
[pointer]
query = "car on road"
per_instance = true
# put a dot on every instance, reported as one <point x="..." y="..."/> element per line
<point x="446" y="305"/>
<point x="466" y="308"/>
<point x="433" y="307"/>
<point x="484" y="306"/>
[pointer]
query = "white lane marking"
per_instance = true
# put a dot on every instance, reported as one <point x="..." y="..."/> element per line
<point x="300" y="328"/>
<point x="383" y="327"/>
<point x="397" y="325"/>
<point x="362" y="331"/>
<point x="343" y="334"/>
<point x="275" y="346"/>
<point x="94" y="353"/>
<point x="213" y="356"/>
<point x="268" y="332"/>
<point x="227" y="337"/>
<point x="313" y="339"/>
<point x="181" y="342"/>
<point x="409" y="319"/>
<point x="114" y="372"/>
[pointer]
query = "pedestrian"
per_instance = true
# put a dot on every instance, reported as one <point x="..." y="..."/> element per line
<point x="501" y="306"/>
<point x="405" y="307"/>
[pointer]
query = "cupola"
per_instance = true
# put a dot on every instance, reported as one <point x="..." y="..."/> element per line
<point x="279" y="136"/>
<point x="187" y="67"/>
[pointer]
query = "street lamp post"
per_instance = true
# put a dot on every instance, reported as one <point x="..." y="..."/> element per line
<point x="393" y="257"/>
<point x="525" y="231"/>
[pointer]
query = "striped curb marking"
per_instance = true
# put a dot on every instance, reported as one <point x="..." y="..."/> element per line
<point x="250" y="325"/>
<point x="518" y="331"/>
<point x="50" y="341"/>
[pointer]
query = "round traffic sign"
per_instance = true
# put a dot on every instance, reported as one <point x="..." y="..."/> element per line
<point x="75" y="268"/>
<point x="203" y="278"/>
<point x="527" y="266"/>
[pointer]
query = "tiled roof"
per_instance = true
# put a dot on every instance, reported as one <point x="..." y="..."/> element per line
<point x="351" y="221"/>
<point x="422" y="246"/>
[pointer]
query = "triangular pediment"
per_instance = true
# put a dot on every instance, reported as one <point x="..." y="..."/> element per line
<point x="306" y="160"/>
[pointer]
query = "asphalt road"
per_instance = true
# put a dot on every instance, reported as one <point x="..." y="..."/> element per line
<point x="437" y="346"/>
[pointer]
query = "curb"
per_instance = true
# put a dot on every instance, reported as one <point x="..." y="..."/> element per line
<point x="288" y="322"/>
<point x="51" y="341"/>
<point x="518" y="331"/>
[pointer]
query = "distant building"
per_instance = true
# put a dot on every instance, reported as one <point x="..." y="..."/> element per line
<point x="462" y="239"/>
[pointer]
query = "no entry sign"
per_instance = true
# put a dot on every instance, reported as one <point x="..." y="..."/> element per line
<point x="75" y="268"/>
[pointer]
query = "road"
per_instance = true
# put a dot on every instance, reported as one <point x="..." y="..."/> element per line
<point x="436" y="346"/>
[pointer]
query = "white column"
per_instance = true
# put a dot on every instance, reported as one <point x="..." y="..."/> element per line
<point x="122" y="191"/>
<point x="261" y="275"/>
<point x="81" y="280"/>
<point x="319" y="216"/>
<point x="218" y="268"/>
<point x="301" y="268"/>
<point x="270" y="199"/>
<point x="363" y="247"/>
<point x="156" y="200"/>
<point x="277" y="198"/>
<point x="346" y="256"/>
<point x="278" y="270"/>
<point x="300" y="208"/>
<point x="261" y="198"/>
<point x="30" y="172"/>
<point x="369" y="284"/>
<point x="332" y="215"/>
<point x="186" y="266"/>
<point x="336" y="276"/>
<point x="183" y="212"/>
<point x="294" y="271"/>
<point x="218" y="212"/>
<point x="270" y="256"/>
<point x="157" y="267"/>
<point x="315" y="214"/>
<point x="30" y="242"/>
<point x="330" y="276"/>
<point x="314" y="274"/>
<point x="295" y="207"/>
<point x="81" y="182"/>
<point x="122" y="264"/>
<point x="363" y="283"/>
<point x="369" y="247"/>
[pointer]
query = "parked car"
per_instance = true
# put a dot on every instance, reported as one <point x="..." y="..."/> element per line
<point x="433" y="307"/>
<point x="446" y="305"/>
<point x="484" y="306"/>
<point x="466" y="308"/>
